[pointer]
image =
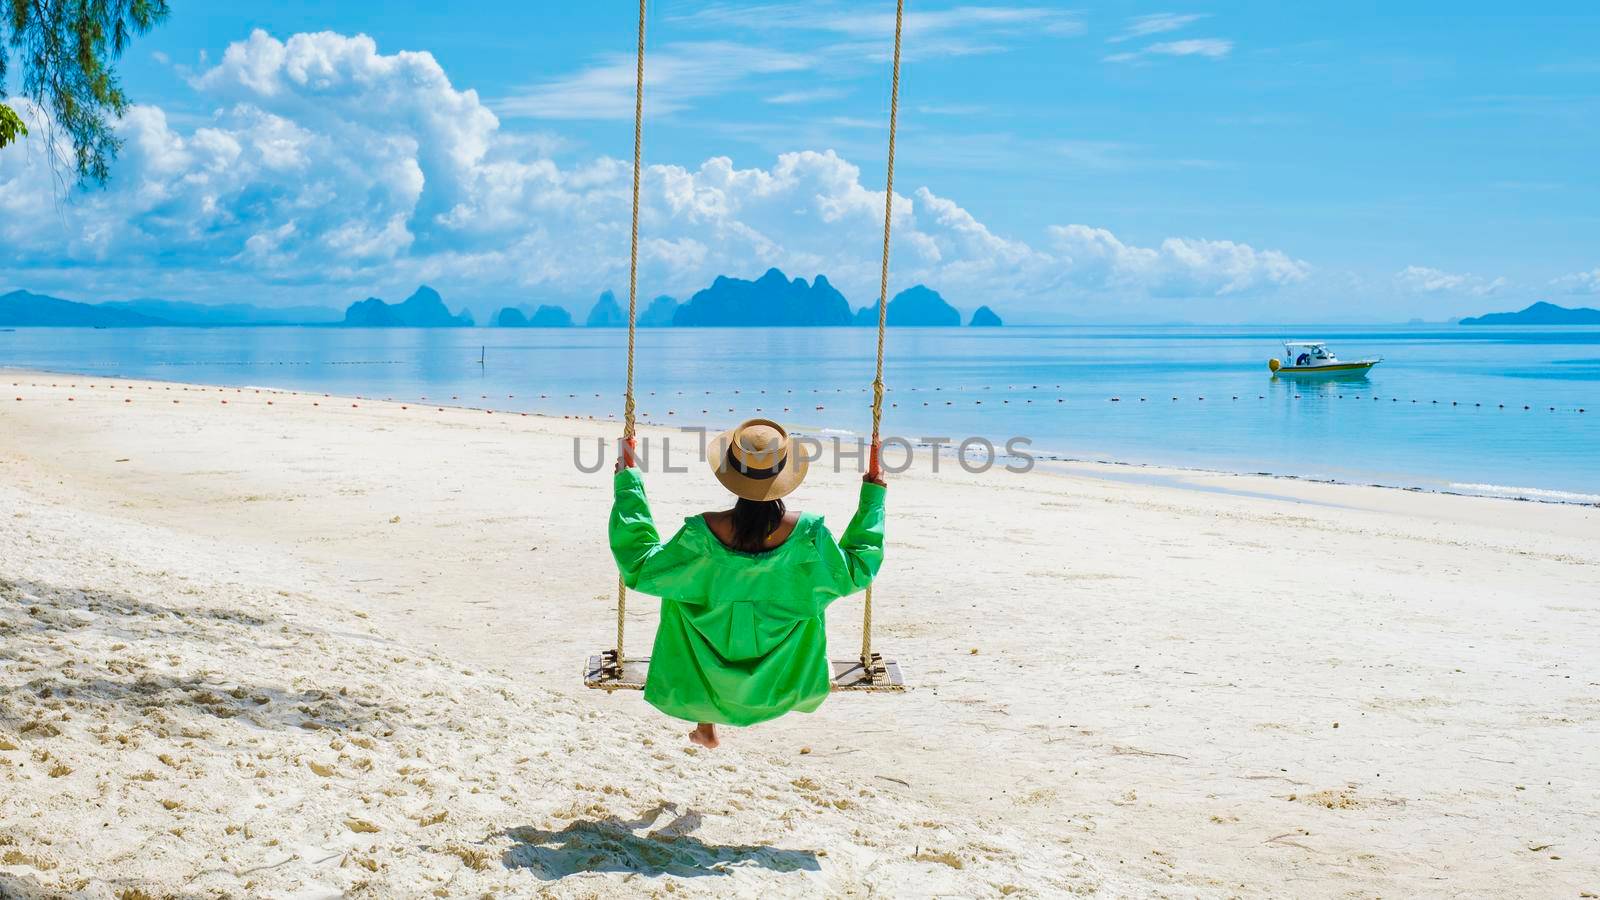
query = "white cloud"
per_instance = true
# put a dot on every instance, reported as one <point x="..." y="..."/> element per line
<point x="330" y="167"/>
<point x="1579" y="282"/>
<point x="674" y="76"/>
<point x="1208" y="48"/>
<point x="929" y="24"/>
<point x="814" y="95"/>
<point x="1211" y="48"/>
<point x="1425" y="280"/>
<point x="858" y="123"/>
<point x="1181" y="267"/>
<point x="1156" y="23"/>
<point x="680" y="72"/>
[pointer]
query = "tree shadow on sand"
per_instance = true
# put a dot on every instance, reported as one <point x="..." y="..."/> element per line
<point x="615" y="845"/>
<point x="35" y="616"/>
<point x="115" y="605"/>
<point x="24" y="887"/>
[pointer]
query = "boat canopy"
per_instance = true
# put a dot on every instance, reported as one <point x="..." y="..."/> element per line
<point x="1308" y="353"/>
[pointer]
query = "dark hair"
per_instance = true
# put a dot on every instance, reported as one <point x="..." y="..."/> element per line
<point x="753" y="521"/>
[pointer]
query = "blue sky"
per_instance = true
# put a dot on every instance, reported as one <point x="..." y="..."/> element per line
<point x="1123" y="161"/>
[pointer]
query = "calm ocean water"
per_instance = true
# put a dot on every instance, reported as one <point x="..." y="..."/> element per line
<point x="1430" y="416"/>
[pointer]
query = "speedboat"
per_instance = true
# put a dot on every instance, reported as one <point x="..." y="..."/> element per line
<point x="1314" y="358"/>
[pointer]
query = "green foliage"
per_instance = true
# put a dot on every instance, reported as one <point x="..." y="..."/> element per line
<point x="64" y="49"/>
<point x="11" y="125"/>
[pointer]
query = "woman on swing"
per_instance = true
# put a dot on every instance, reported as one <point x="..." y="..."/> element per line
<point x="743" y="590"/>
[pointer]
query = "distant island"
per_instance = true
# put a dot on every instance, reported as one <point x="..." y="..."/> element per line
<point x="543" y="317"/>
<point x="550" y="317"/>
<point x="660" y="313"/>
<point x="606" y="313"/>
<point x="1540" y="313"/>
<point x="24" y="308"/>
<point x="178" y="312"/>
<point x="423" y="309"/>
<point x="771" y="300"/>
<point x="775" y="300"/>
<point x="917" y="306"/>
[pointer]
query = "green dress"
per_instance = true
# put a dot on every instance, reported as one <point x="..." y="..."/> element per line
<point x="742" y="636"/>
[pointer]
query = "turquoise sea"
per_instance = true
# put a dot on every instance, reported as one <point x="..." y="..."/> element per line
<point x="1504" y="411"/>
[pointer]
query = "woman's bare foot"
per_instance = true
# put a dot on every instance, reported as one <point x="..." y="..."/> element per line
<point x="705" y="736"/>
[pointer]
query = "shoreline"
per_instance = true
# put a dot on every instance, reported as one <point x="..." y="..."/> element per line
<point x="1174" y="473"/>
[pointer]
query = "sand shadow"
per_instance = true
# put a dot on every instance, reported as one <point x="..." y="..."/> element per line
<point x="28" y="887"/>
<point x="33" y="612"/>
<point x="24" y="887"/>
<point x="114" y="605"/>
<point x="614" y="845"/>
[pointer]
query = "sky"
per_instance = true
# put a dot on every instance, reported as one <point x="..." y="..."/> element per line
<point x="1112" y="162"/>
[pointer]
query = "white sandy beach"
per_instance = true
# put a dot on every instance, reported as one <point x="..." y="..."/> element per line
<point x="283" y="649"/>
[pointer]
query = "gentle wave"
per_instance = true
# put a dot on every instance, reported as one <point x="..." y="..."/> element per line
<point x="1501" y="490"/>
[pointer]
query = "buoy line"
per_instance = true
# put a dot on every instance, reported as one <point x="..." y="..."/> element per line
<point x="1116" y="398"/>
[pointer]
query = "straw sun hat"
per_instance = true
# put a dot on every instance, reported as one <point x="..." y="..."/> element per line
<point x="757" y="460"/>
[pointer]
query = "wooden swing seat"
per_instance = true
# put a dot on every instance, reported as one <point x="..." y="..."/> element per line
<point x="848" y="674"/>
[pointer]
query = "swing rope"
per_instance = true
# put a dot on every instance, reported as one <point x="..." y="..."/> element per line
<point x="883" y="316"/>
<point x="883" y="308"/>
<point x="633" y="304"/>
